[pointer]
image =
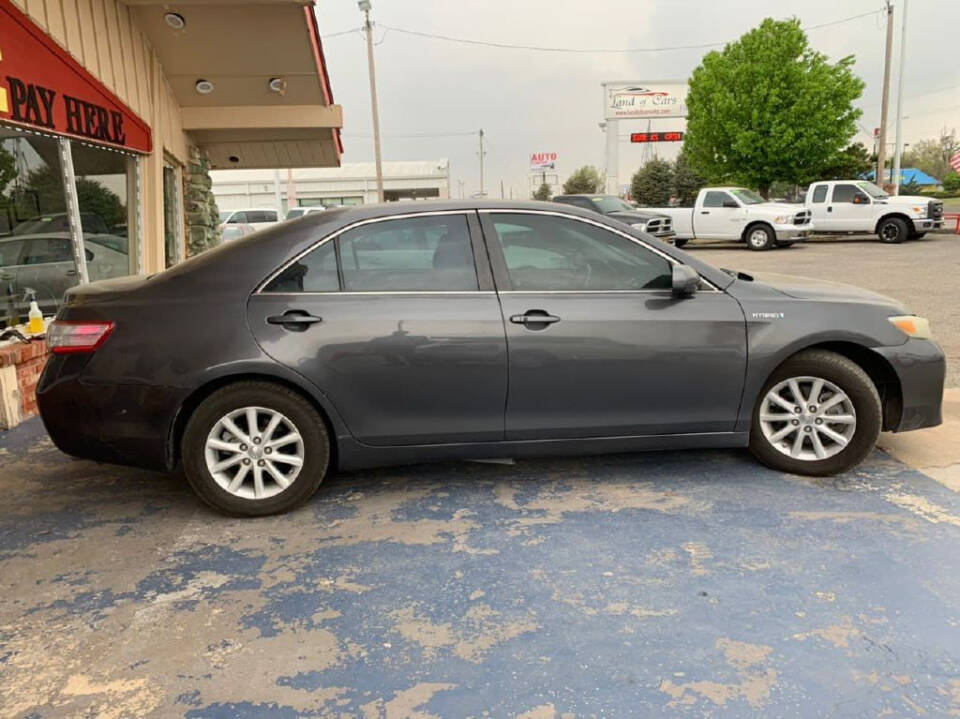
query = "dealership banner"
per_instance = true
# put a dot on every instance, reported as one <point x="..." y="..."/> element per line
<point x="44" y="88"/>
<point x="643" y="100"/>
<point x="543" y="161"/>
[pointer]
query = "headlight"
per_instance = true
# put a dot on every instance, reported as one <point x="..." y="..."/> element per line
<point x="782" y="220"/>
<point x="912" y="326"/>
<point x="919" y="210"/>
<point x="639" y="225"/>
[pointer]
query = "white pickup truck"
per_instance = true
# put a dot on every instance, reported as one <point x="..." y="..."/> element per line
<point x="862" y="207"/>
<point x="735" y="213"/>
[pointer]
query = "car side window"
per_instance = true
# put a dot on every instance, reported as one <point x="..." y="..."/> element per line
<point x="316" y="271"/>
<point x="844" y="193"/>
<point x="261" y="216"/>
<point x="410" y="254"/>
<point x="10" y="252"/>
<point x="715" y="198"/>
<point x="546" y="253"/>
<point x="47" y="250"/>
<point x="819" y="193"/>
<point x="237" y="217"/>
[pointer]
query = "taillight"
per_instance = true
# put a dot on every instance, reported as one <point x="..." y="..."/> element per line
<point x="65" y="337"/>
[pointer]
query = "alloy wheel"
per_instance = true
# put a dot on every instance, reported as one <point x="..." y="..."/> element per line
<point x="254" y="452"/>
<point x="758" y="238"/>
<point x="808" y="418"/>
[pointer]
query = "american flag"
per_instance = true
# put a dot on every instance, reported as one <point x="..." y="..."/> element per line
<point x="955" y="161"/>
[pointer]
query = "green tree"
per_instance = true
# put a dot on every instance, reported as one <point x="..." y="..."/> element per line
<point x="933" y="156"/>
<point x="768" y="107"/>
<point x="686" y="181"/>
<point x="652" y="184"/>
<point x="951" y="183"/>
<point x="586" y="180"/>
<point x="848" y="164"/>
<point x="544" y="192"/>
<point x="42" y="190"/>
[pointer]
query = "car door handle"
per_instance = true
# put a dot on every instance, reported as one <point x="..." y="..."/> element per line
<point x="296" y="320"/>
<point x="829" y="209"/>
<point x="70" y="273"/>
<point x="704" y="212"/>
<point x="534" y="317"/>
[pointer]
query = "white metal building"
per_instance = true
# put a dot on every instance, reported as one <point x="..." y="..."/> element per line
<point x="351" y="184"/>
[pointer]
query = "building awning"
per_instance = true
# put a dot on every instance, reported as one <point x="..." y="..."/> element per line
<point x="235" y="50"/>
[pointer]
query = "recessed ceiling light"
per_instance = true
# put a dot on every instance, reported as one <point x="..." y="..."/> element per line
<point x="204" y="87"/>
<point x="277" y="85"/>
<point x="175" y="20"/>
<point x="233" y="158"/>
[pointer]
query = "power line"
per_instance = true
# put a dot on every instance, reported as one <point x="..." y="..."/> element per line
<point x="539" y="48"/>
<point x="415" y="134"/>
<point x="342" y="32"/>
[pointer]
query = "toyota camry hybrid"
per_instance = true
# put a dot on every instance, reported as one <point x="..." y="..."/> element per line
<point x="393" y="334"/>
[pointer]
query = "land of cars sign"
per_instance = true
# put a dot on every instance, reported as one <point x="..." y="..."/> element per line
<point x="626" y="100"/>
<point x="656" y="137"/>
<point x="43" y="87"/>
<point x="543" y="161"/>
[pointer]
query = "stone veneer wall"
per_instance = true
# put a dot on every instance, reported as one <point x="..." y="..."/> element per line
<point x="201" y="214"/>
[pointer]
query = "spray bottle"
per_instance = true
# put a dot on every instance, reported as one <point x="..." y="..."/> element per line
<point x="34" y="316"/>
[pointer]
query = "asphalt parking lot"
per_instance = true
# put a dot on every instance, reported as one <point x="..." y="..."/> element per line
<point x="658" y="584"/>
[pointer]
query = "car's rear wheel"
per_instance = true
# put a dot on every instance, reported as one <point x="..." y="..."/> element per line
<point x="760" y="237"/>
<point x="255" y="448"/>
<point x="892" y="230"/>
<point x="818" y="414"/>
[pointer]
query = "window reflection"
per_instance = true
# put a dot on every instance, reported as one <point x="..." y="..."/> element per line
<point x="36" y="253"/>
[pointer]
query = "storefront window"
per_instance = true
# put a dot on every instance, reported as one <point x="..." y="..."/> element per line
<point x="106" y="193"/>
<point x="36" y="248"/>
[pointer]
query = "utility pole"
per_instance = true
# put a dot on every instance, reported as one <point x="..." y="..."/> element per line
<point x="482" y="153"/>
<point x="460" y="187"/>
<point x="881" y="174"/>
<point x="501" y="190"/>
<point x="903" y="64"/>
<point x="368" y="26"/>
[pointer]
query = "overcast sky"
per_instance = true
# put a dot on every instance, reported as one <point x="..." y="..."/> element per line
<point x="528" y="101"/>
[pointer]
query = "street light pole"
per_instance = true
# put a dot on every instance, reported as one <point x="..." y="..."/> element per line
<point x="903" y="64"/>
<point x="368" y="26"/>
<point x="882" y="139"/>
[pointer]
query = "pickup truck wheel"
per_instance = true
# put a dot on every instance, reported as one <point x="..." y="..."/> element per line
<point x="760" y="237"/>
<point x="892" y="230"/>
<point x="917" y="235"/>
<point x="680" y="243"/>
<point x="784" y="243"/>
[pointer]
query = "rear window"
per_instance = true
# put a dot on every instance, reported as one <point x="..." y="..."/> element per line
<point x="819" y="193"/>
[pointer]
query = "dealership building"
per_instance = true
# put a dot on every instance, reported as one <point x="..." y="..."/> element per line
<point x="350" y="184"/>
<point x="112" y="114"/>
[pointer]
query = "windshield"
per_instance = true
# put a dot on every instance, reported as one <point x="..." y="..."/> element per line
<point x="225" y="215"/>
<point x="609" y="203"/>
<point x="872" y="190"/>
<point x="747" y="197"/>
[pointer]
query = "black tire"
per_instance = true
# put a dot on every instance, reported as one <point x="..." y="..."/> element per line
<point x="680" y="243"/>
<point x="917" y="235"/>
<point x="785" y="244"/>
<point x="892" y="230"/>
<point x="760" y="237"/>
<point x="859" y="388"/>
<point x="316" y="447"/>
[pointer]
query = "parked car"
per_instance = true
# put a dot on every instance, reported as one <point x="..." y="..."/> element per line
<point x="397" y="333"/>
<point x="295" y="212"/>
<point x="658" y="225"/>
<point x="740" y="215"/>
<point x="258" y="217"/>
<point x="235" y="231"/>
<point x="90" y="222"/>
<point x="858" y="206"/>
<point x="44" y="263"/>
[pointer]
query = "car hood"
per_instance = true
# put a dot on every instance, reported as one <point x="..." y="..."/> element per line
<point x="808" y="288"/>
<point x="781" y="207"/>
<point x="908" y="200"/>
<point x="634" y="216"/>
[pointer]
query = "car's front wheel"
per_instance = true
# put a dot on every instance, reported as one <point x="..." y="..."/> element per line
<point x="760" y="237"/>
<point x="892" y="230"/>
<point x="680" y="243"/>
<point x="818" y="414"/>
<point x="255" y="448"/>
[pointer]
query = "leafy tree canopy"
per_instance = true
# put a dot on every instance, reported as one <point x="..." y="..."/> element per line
<point x="768" y="107"/>
<point x="652" y="184"/>
<point x="687" y="182"/>
<point x="850" y="163"/>
<point x="933" y="156"/>
<point x="585" y="180"/>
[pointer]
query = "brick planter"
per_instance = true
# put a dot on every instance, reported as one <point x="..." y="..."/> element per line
<point x="20" y="368"/>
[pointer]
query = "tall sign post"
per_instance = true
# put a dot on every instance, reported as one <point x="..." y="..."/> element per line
<point x="637" y="101"/>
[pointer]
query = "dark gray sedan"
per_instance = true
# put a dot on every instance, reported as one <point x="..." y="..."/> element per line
<point x="402" y="333"/>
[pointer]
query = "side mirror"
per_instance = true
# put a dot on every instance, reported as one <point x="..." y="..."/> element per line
<point x="731" y="204"/>
<point x="686" y="280"/>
